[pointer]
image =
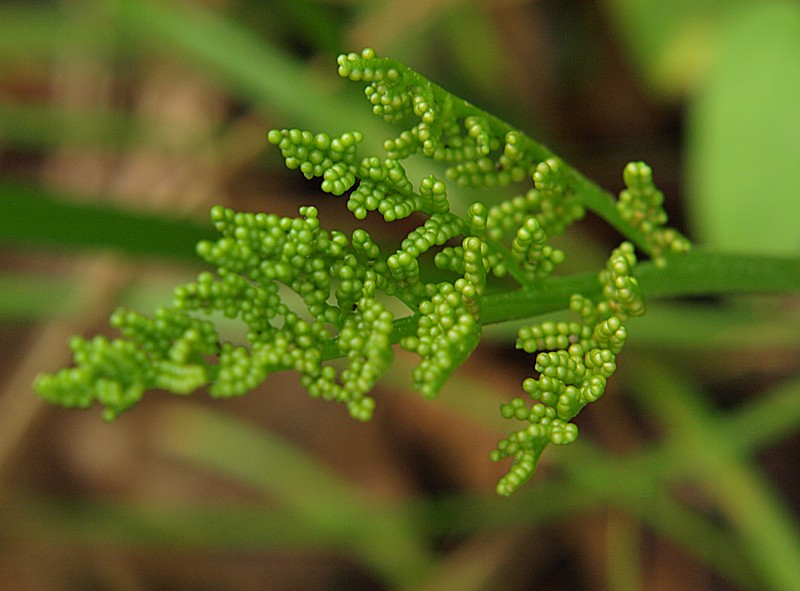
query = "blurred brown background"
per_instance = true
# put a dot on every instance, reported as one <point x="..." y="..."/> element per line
<point x="115" y="114"/>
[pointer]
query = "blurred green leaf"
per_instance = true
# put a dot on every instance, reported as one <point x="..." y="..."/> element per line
<point x="477" y="55"/>
<point x="36" y="125"/>
<point x="38" y="217"/>
<point x="744" y="142"/>
<point x="671" y="42"/>
<point x="128" y="524"/>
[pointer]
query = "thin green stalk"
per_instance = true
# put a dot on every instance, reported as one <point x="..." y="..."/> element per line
<point x="765" y="419"/>
<point x="695" y="273"/>
<point x="42" y="218"/>
<point x="623" y="549"/>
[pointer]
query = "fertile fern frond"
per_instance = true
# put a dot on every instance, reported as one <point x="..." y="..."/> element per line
<point x="343" y="282"/>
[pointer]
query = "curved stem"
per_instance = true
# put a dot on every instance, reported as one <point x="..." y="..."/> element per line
<point x="695" y="273"/>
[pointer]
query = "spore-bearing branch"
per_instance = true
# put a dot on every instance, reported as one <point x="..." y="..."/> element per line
<point x="342" y="281"/>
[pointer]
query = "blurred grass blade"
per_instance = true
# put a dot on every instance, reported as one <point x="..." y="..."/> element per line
<point x="729" y="326"/>
<point x="766" y="527"/>
<point x="32" y="297"/>
<point x="27" y="125"/>
<point x="274" y="82"/>
<point x="39" y="125"/>
<point x="303" y="486"/>
<point x="234" y="528"/>
<point x="256" y="457"/>
<point x="318" y="23"/>
<point x="34" y="32"/>
<point x="37" y="217"/>
<point x="767" y="419"/>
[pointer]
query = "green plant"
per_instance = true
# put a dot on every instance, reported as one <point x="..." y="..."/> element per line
<point x="310" y="296"/>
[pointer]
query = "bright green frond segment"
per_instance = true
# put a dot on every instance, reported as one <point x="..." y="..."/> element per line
<point x="447" y="332"/>
<point x="574" y="361"/>
<point x="641" y="204"/>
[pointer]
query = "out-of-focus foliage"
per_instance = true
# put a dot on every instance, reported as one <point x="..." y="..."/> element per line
<point x="160" y="108"/>
<point x="737" y="64"/>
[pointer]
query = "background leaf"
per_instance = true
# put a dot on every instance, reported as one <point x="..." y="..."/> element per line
<point x="744" y="136"/>
<point x="37" y="217"/>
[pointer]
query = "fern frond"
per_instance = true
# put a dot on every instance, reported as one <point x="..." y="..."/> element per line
<point x="342" y="282"/>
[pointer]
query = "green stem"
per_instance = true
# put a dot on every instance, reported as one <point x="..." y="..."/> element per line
<point x="692" y="274"/>
<point x="709" y="273"/>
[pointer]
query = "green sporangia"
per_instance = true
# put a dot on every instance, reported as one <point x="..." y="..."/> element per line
<point x="344" y="281"/>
